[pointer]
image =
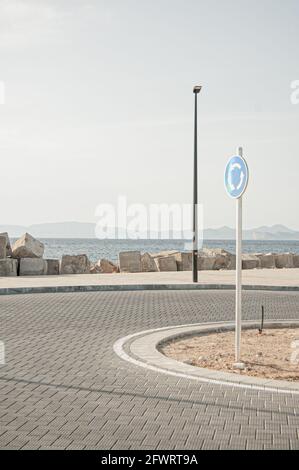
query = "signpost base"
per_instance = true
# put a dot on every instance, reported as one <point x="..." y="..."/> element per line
<point x="239" y="365"/>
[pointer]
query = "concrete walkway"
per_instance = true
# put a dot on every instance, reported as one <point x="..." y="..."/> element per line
<point x="285" y="278"/>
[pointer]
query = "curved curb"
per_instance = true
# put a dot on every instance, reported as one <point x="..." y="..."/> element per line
<point x="141" y="350"/>
<point x="138" y="287"/>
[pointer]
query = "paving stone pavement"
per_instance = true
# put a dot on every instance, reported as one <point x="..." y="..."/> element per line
<point x="64" y="388"/>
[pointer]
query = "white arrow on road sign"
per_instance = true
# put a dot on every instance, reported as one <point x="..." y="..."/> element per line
<point x="236" y="176"/>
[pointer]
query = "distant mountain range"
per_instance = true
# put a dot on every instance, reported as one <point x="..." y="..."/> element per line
<point x="275" y="232"/>
<point x="87" y="230"/>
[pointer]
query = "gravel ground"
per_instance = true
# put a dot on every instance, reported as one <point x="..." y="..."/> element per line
<point x="273" y="354"/>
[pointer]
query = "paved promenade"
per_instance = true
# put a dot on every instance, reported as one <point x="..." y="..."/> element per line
<point x="252" y="277"/>
<point x="63" y="387"/>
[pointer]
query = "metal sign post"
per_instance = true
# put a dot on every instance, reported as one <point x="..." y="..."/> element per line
<point x="238" y="277"/>
<point x="236" y="180"/>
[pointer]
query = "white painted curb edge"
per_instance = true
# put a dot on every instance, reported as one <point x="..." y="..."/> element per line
<point x="118" y="348"/>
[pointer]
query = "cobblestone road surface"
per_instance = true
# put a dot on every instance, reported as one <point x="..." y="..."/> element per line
<point x="63" y="386"/>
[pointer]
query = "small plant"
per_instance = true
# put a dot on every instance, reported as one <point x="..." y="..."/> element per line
<point x="262" y="322"/>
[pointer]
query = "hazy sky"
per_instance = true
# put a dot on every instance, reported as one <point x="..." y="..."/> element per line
<point x="99" y="103"/>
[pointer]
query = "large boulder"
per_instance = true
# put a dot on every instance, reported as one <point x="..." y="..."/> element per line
<point x="94" y="268"/>
<point x="284" y="260"/>
<point x="296" y="261"/>
<point x="166" y="263"/>
<point x="223" y="259"/>
<point x="8" y="246"/>
<point x="74" y="264"/>
<point x="232" y="261"/>
<point x="32" y="267"/>
<point x="267" y="260"/>
<point x="8" y="267"/>
<point x="27" y="247"/>
<point x="250" y="261"/>
<point x="105" y="266"/>
<point x="184" y="261"/>
<point x="130" y="261"/>
<point x="205" y="262"/>
<point x="52" y="267"/>
<point x="2" y="247"/>
<point x="148" y="264"/>
<point x="166" y="260"/>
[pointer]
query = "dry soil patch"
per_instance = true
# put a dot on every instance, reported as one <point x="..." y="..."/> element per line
<point x="274" y="354"/>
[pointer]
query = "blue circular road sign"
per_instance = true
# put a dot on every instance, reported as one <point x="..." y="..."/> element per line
<point x="236" y="176"/>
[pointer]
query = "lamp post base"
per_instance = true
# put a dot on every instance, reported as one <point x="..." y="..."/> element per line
<point x="194" y="266"/>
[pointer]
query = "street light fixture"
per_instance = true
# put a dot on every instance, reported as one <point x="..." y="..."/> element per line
<point x="196" y="91"/>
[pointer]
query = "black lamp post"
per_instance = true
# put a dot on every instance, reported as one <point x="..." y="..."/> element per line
<point x="196" y="90"/>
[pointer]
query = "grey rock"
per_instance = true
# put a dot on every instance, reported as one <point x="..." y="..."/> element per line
<point x="250" y="261"/>
<point x="223" y="259"/>
<point x="2" y="247"/>
<point x="52" y="267"/>
<point x="232" y="261"/>
<point x="148" y="264"/>
<point x="8" y="267"/>
<point x="106" y="266"/>
<point x="32" y="267"/>
<point x="130" y="262"/>
<point x="267" y="260"/>
<point x="27" y="247"/>
<point x="94" y="268"/>
<point x="74" y="264"/>
<point x="8" y="246"/>
<point x="284" y="260"/>
<point x="296" y="261"/>
<point x="206" y="262"/>
<point x="166" y="263"/>
<point x="202" y="359"/>
<point x="184" y="261"/>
